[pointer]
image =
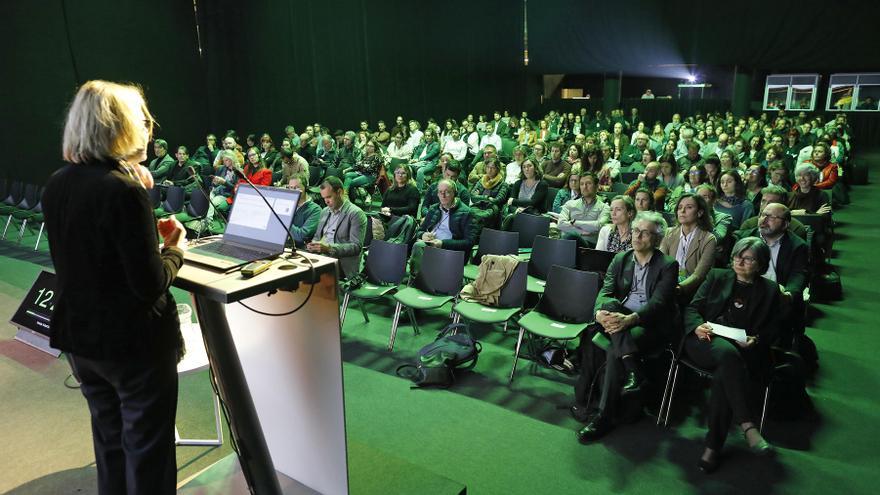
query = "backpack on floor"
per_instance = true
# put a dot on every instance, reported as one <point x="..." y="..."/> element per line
<point x="454" y="348"/>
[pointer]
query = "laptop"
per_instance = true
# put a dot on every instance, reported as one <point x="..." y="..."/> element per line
<point x="594" y="260"/>
<point x="252" y="232"/>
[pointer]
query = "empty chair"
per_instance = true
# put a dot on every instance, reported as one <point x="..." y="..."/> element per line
<point x="510" y="301"/>
<point x="530" y="226"/>
<point x="33" y="215"/>
<point x="11" y="199"/>
<point x="384" y="269"/>
<point x="29" y="199"/>
<point x="627" y="178"/>
<point x="491" y="242"/>
<point x="438" y="283"/>
<point x="551" y="195"/>
<point x="155" y="195"/>
<point x="173" y="203"/>
<point x="546" y="253"/>
<point x="196" y="209"/>
<point x="565" y="309"/>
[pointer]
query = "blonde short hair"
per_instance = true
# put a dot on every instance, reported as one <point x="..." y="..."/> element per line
<point x="101" y="123"/>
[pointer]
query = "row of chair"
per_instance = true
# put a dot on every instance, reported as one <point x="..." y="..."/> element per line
<point x="21" y="203"/>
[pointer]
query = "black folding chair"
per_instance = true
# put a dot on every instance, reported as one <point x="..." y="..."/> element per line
<point x="530" y="226"/>
<point x="384" y="270"/>
<point x="547" y="253"/>
<point x="491" y="242"/>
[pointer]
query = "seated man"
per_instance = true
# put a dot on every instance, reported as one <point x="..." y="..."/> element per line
<point x="451" y="171"/>
<point x="633" y="152"/>
<point x="581" y="218"/>
<point x="788" y="259"/>
<point x="771" y="194"/>
<point x="490" y="154"/>
<point x="341" y="228"/>
<point x="185" y="172"/>
<point x="636" y="310"/>
<point x="305" y="218"/>
<point x="163" y="162"/>
<point x="447" y="225"/>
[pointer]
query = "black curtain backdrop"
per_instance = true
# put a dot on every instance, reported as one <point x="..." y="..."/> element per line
<point x="643" y="37"/>
<point x="337" y="62"/>
<point x="49" y="47"/>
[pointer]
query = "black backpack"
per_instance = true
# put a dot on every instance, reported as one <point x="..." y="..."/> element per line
<point x="454" y="348"/>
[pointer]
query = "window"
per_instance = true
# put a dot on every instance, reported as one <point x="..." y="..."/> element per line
<point x="854" y="93"/>
<point x="791" y="92"/>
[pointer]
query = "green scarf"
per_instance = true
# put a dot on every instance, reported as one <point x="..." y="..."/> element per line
<point x="488" y="183"/>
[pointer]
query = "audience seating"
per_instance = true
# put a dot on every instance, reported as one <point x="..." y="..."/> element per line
<point x="29" y="199"/>
<point x="547" y="253"/>
<point x="564" y="311"/>
<point x="491" y="242"/>
<point x="529" y="227"/>
<point x="173" y="203"/>
<point x="384" y="269"/>
<point x="437" y="284"/>
<point x="510" y="302"/>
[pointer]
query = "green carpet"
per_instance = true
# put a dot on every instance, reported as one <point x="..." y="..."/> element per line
<point x="484" y="434"/>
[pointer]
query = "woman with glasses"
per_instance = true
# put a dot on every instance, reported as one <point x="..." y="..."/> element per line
<point x="741" y="298"/>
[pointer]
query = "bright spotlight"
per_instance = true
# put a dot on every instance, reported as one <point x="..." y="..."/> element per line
<point x="692" y="79"/>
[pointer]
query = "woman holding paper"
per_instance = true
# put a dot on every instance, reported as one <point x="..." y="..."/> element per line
<point x="740" y="298"/>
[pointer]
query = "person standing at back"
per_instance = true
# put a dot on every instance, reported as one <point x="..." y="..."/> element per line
<point x="115" y="317"/>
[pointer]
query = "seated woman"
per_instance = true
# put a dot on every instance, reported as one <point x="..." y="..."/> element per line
<point x="527" y="195"/>
<point x="733" y="200"/>
<point x="738" y="297"/>
<point x="224" y="179"/>
<point x="593" y="162"/>
<point x="398" y="149"/>
<point x="755" y="181"/>
<point x="256" y="170"/>
<point x="527" y="136"/>
<point x="648" y="156"/>
<point x="573" y="155"/>
<point x="402" y="198"/>
<point x="691" y="243"/>
<point x="488" y="195"/>
<point x="729" y="161"/>
<point x="777" y="175"/>
<point x="806" y="197"/>
<point x="821" y="159"/>
<point x="365" y="170"/>
<point x="669" y="175"/>
<point x="644" y="200"/>
<point x="617" y="236"/>
<point x="572" y="190"/>
<point x="657" y="138"/>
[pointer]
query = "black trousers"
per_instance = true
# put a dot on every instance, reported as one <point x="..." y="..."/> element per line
<point x="636" y="340"/>
<point x="729" y="401"/>
<point x="133" y="404"/>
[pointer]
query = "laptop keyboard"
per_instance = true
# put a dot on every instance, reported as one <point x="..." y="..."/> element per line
<point x="233" y="251"/>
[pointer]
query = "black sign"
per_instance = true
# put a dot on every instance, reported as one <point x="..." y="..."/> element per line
<point x="36" y="309"/>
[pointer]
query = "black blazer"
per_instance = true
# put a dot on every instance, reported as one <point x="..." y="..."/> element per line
<point x="713" y="297"/>
<point x="661" y="309"/>
<point x="113" y="301"/>
<point x="791" y="263"/>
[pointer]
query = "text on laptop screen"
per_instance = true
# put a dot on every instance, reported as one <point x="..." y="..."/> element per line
<point x="251" y="218"/>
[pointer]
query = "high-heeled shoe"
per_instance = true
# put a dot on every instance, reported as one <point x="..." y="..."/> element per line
<point x="762" y="448"/>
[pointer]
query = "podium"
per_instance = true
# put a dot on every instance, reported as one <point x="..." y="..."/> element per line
<point x="278" y="377"/>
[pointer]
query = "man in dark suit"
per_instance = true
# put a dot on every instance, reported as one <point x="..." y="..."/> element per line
<point x="636" y="311"/>
<point x="163" y="162"/>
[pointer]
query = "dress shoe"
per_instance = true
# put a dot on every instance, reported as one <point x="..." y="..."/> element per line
<point x="633" y="383"/>
<point x="762" y="448"/>
<point x="595" y="429"/>
<point x="711" y="465"/>
<point x="580" y="413"/>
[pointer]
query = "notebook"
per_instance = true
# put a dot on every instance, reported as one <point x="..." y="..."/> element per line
<point x="252" y="232"/>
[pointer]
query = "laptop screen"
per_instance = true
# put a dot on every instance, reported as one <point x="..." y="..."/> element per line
<point x="251" y="222"/>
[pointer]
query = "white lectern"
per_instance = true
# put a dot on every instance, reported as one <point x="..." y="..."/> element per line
<point x="279" y="377"/>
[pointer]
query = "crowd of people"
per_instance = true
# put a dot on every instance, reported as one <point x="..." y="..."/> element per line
<point x="702" y="212"/>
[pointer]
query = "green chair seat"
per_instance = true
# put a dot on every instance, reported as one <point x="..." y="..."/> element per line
<point x="24" y="214"/>
<point x="471" y="272"/>
<point x="484" y="314"/>
<point x="541" y="325"/>
<point x="415" y="299"/>
<point x="372" y="291"/>
<point x="6" y="209"/>
<point x="184" y="218"/>
<point x="601" y="341"/>
<point x="536" y="285"/>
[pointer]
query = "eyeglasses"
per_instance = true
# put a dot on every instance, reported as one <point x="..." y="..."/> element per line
<point x="637" y="232"/>
<point x="775" y="217"/>
<point x="748" y="260"/>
